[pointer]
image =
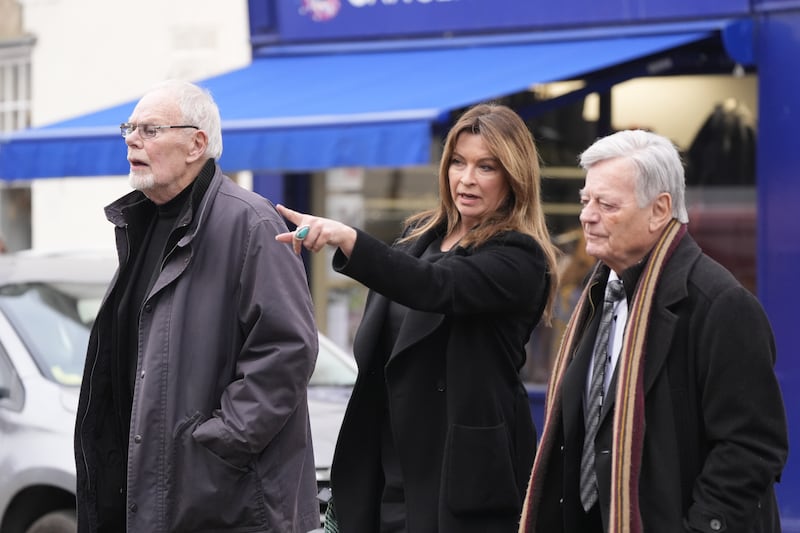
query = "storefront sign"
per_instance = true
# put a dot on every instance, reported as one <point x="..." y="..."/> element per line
<point x="338" y="20"/>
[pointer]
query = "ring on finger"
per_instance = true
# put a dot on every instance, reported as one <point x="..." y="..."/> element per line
<point x="302" y="232"/>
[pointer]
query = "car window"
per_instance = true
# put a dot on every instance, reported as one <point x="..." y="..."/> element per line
<point x="53" y="323"/>
<point x="11" y="394"/>
<point x="334" y="367"/>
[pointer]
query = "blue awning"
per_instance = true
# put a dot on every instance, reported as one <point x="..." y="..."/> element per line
<point x="300" y="113"/>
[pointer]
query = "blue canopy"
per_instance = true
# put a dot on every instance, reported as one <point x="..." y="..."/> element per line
<point x="307" y="112"/>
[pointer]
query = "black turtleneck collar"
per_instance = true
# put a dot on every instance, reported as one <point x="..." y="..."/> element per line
<point x="630" y="277"/>
<point x="192" y="194"/>
<point x="201" y="183"/>
<point x="172" y="208"/>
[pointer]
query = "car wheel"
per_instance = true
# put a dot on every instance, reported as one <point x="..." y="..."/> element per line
<point x="55" y="522"/>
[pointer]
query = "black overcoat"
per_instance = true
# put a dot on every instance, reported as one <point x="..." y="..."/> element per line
<point x="460" y="415"/>
<point x="715" y="437"/>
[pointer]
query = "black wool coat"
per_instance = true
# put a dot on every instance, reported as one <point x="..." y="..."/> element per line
<point x="715" y="437"/>
<point x="460" y="416"/>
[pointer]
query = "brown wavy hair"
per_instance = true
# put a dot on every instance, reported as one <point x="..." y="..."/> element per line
<point x="511" y="143"/>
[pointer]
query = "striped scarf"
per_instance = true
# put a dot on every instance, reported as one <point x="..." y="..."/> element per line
<point x="629" y="407"/>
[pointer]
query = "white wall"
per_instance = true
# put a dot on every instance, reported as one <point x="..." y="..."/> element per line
<point x="92" y="54"/>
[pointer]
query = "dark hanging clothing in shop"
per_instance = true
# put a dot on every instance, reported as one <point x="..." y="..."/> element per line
<point x="723" y="151"/>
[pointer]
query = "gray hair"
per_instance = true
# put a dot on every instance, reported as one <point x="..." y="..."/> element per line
<point x="656" y="160"/>
<point x="198" y="109"/>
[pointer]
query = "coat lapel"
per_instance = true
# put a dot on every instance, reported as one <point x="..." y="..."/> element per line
<point x="663" y="322"/>
<point x="573" y="387"/>
<point x="417" y="324"/>
<point x="365" y="343"/>
<point x="662" y="325"/>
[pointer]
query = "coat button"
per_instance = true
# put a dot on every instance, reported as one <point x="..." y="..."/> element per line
<point x="133" y="508"/>
<point x="440" y="385"/>
<point x="715" y="524"/>
<point x="137" y="439"/>
<point x="148" y="308"/>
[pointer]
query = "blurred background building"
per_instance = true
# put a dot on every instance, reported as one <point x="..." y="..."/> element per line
<point x="64" y="58"/>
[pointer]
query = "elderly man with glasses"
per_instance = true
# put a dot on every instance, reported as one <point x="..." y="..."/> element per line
<point x="193" y="413"/>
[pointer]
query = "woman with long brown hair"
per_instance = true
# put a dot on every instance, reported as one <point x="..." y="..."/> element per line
<point x="438" y="435"/>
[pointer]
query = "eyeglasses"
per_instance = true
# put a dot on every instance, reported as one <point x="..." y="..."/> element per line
<point x="146" y="131"/>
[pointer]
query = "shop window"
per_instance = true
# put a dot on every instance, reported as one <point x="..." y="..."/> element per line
<point x="378" y="201"/>
<point x="721" y="192"/>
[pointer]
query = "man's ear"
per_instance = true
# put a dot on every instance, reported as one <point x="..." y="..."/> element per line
<point x="198" y="147"/>
<point x="660" y="212"/>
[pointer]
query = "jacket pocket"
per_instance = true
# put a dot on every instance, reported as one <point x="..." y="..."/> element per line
<point x="207" y="493"/>
<point x="479" y="470"/>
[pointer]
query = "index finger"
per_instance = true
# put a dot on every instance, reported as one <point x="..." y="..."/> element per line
<point x="292" y="216"/>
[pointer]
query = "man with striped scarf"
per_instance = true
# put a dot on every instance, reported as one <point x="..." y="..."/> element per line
<point x="688" y="429"/>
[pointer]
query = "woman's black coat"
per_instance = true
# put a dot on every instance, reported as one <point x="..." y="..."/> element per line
<point x="460" y="416"/>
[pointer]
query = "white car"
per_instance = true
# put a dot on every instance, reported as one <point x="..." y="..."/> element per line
<point x="47" y="305"/>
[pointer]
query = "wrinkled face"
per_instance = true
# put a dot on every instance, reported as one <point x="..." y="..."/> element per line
<point x="617" y="230"/>
<point x="478" y="184"/>
<point x="159" y="167"/>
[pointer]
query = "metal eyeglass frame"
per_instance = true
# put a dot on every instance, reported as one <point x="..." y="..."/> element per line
<point x="147" y="131"/>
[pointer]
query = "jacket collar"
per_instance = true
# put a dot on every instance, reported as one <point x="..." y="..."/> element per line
<point x="129" y="207"/>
